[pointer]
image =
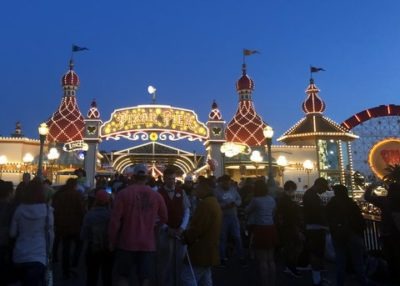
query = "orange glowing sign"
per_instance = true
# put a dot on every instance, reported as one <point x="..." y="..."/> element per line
<point x="383" y="154"/>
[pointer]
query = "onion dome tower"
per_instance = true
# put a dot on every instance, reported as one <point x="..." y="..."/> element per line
<point x="246" y="126"/>
<point x="314" y="125"/>
<point x="92" y="139"/>
<point x="216" y="126"/>
<point x="331" y="140"/>
<point x="66" y="124"/>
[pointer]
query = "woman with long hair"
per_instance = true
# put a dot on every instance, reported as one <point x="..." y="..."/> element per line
<point x="32" y="228"/>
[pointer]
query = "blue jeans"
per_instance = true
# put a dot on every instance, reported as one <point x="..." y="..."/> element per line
<point x="355" y="247"/>
<point x="230" y="227"/>
<point x="202" y="274"/>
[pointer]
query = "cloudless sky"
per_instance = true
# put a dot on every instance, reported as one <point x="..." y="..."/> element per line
<point x="191" y="51"/>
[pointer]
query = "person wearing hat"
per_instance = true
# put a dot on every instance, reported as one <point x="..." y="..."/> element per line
<point x="94" y="235"/>
<point x="171" y="251"/>
<point x="136" y="212"/>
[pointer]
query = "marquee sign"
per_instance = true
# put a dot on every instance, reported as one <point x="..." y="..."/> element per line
<point x="154" y="122"/>
<point x="75" y="146"/>
<point x="383" y="154"/>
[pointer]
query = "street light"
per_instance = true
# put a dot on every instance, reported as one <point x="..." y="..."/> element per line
<point x="152" y="91"/>
<point x="53" y="157"/>
<point x="43" y="130"/>
<point x="256" y="158"/>
<point x="282" y="163"/>
<point x="308" y="166"/>
<point x="3" y="161"/>
<point x="27" y="159"/>
<point x="268" y="134"/>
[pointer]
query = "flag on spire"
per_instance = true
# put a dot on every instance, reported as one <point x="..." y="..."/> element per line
<point x="247" y="52"/>
<point x="76" y="48"/>
<point x="315" y="69"/>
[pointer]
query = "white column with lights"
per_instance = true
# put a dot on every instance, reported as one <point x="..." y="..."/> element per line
<point x="92" y="139"/>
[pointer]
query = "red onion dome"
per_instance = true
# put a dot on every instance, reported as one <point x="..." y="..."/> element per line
<point x="245" y="82"/>
<point x="67" y="123"/>
<point x="313" y="103"/>
<point x="215" y="113"/>
<point x="70" y="78"/>
<point x="246" y="126"/>
<point x="93" y="112"/>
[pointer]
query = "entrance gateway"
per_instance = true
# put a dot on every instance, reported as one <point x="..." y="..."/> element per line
<point x="152" y="123"/>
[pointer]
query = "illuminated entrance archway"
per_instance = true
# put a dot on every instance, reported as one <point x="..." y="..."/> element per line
<point x="154" y="123"/>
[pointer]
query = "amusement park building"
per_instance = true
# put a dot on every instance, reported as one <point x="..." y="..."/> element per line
<point x="229" y="148"/>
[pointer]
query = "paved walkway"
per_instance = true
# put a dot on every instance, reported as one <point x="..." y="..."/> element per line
<point x="234" y="275"/>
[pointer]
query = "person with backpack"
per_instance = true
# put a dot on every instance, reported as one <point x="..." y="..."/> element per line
<point x="346" y="225"/>
<point x="94" y="234"/>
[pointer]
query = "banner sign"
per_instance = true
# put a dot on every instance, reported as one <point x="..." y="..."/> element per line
<point x="75" y="146"/>
<point x="153" y="122"/>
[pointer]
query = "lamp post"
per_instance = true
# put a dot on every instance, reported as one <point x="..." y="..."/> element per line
<point x="3" y="161"/>
<point x="308" y="166"/>
<point x="268" y="134"/>
<point x="282" y="163"/>
<point x="27" y="159"/>
<point x="152" y="91"/>
<point x="256" y="158"/>
<point x="43" y="130"/>
<point x="53" y="157"/>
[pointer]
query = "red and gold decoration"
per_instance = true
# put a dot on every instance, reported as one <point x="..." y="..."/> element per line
<point x="246" y="127"/>
<point x="144" y="122"/>
<point x="383" y="154"/>
<point x="66" y="124"/>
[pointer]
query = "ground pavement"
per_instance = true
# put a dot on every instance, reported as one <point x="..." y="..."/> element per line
<point x="233" y="275"/>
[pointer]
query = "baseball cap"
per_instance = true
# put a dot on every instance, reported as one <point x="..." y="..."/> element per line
<point x="140" y="170"/>
<point x="188" y="178"/>
<point x="102" y="197"/>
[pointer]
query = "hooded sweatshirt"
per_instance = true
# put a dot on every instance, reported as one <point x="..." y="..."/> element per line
<point x="28" y="226"/>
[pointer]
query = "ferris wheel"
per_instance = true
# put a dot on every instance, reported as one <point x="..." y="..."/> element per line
<point x="372" y="126"/>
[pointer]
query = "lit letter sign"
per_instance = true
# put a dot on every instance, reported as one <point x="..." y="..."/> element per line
<point x="144" y="122"/>
<point x="75" y="146"/>
<point x="383" y="154"/>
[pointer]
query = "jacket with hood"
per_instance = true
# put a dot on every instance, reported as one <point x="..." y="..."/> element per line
<point x="28" y="227"/>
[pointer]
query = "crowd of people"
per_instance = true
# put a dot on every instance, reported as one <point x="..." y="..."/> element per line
<point x="168" y="232"/>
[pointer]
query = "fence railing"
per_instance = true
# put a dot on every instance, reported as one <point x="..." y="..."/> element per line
<point x="371" y="216"/>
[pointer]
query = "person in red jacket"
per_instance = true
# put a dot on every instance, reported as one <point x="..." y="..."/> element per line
<point x="137" y="210"/>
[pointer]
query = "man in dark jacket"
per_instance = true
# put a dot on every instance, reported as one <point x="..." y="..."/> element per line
<point x="202" y="238"/>
<point x="346" y="224"/>
<point x="316" y="227"/>
<point x="68" y="215"/>
<point x="289" y="222"/>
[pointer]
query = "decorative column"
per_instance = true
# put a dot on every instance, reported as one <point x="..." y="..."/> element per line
<point x="92" y="139"/>
<point x="216" y="137"/>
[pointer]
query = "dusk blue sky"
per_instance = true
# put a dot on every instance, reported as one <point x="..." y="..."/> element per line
<point x="191" y="51"/>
